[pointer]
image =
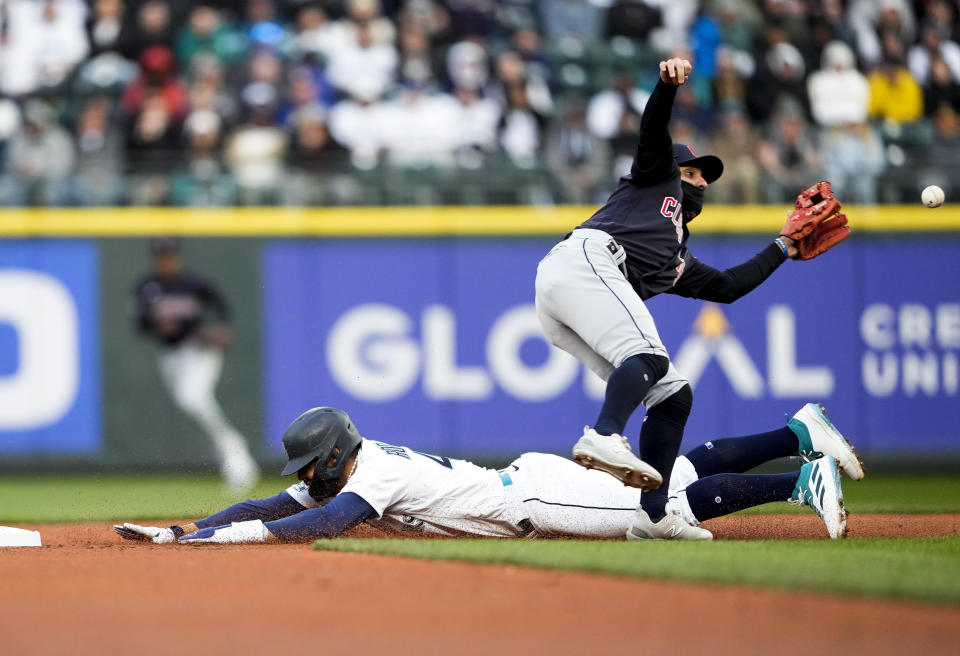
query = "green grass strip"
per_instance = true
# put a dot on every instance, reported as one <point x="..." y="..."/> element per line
<point x="919" y="569"/>
<point x="90" y="498"/>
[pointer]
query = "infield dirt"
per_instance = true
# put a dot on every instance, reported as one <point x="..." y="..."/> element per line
<point x="87" y="592"/>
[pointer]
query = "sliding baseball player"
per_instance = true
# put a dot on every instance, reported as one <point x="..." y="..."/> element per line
<point x="346" y="479"/>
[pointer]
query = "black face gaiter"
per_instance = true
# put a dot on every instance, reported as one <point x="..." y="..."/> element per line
<point x="322" y="489"/>
<point x="692" y="203"/>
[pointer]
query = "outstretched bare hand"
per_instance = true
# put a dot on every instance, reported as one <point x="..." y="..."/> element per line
<point x="675" y="70"/>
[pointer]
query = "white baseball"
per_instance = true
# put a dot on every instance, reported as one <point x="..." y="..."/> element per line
<point x="933" y="196"/>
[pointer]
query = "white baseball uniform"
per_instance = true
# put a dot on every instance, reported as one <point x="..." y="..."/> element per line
<point x="191" y="370"/>
<point x="537" y="495"/>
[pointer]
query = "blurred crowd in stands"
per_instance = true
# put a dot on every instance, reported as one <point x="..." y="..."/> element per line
<point x="168" y="102"/>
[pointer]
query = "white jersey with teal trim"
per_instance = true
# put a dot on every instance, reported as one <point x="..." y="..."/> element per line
<point x="537" y="495"/>
<point x="416" y="491"/>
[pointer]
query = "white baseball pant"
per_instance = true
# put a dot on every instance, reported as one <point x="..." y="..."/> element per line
<point x="561" y="498"/>
<point x="190" y="372"/>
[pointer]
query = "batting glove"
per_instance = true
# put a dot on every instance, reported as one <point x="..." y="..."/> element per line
<point x="236" y="533"/>
<point x="145" y="533"/>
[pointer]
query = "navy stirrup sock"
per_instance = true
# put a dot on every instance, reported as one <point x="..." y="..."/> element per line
<point x="660" y="440"/>
<point x="626" y="388"/>
<point x="739" y="454"/>
<point x="722" y="494"/>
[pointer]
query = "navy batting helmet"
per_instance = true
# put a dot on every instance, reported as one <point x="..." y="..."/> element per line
<point x="321" y="433"/>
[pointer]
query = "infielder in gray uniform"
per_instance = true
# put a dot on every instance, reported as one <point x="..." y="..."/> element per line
<point x="346" y="479"/>
<point x="591" y="288"/>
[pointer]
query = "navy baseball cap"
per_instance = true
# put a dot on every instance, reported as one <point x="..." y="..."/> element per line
<point x="709" y="165"/>
<point x="164" y="245"/>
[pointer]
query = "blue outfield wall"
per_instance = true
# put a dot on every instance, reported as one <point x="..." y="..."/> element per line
<point x="49" y="347"/>
<point x="434" y="343"/>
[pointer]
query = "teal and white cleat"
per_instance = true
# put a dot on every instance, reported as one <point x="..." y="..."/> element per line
<point x="819" y="437"/>
<point x="819" y="487"/>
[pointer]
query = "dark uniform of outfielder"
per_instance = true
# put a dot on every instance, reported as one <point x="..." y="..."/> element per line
<point x="172" y="306"/>
<point x="591" y="288"/>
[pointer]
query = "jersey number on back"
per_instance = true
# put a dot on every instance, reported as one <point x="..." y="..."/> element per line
<point x="440" y="460"/>
<point x="402" y="452"/>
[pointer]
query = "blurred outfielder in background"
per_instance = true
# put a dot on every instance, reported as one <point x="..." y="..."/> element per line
<point x="189" y="318"/>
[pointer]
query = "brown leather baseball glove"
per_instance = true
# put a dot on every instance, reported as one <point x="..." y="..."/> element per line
<point x="816" y="224"/>
<point x="827" y="234"/>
